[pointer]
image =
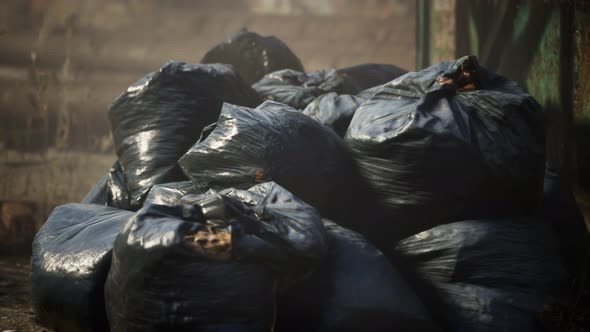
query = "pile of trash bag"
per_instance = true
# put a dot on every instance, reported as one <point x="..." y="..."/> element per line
<point x="274" y="142"/>
<point x="253" y="56"/>
<point x="160" y="116"/>
<point x="260" y="197"/>
<point x="452" y="142"/>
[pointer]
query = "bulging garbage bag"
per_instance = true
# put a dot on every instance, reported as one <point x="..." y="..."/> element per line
<point x="452" y="142"/>
<point x="160" y="116"/>
<point x="277" y="143"/>
<point x="253" y="55"/>
<point x="486" y="275"/>
<point x="70" y="263"/>
<point x="213" y="265"/>
<point x="355" y="289"/>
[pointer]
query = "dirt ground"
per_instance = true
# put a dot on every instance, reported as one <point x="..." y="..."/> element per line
<point x="16" y="313"/>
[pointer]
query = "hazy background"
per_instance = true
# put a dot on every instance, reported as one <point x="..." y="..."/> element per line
<point x="64" y="61"/>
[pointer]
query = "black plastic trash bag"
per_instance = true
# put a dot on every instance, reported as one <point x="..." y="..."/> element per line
<point x="277" y="143"/>
<point x="253" y="55"/>
<point x="486" y="275"/>
<point x="160" y="116"/>
<point x="211" y="266"/>
<point x="70" y="263"/>
<point x="356" y="289"/>
<point x="452" y="142"/>
<point x="334" y="110"/>
<point x="369" y="75"/>
<point x="298" y="89"/>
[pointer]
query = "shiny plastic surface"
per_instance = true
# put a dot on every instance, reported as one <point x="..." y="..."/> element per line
<point x="277" y="143"/>
<point x="159" y="282"/>
<point x="159" y="117"/>
<point x="334" y="110"/>
<point x="70" y="262"/>
<point x="298" y="89"/>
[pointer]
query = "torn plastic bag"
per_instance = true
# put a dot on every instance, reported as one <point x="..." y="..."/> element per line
<point x="334" y="110"/>
<point x="277" y="143"/>
<point x="160" y="116"/>
<point x="253" y="55"/>
<point x="452" y="142"/>
<point x="355" y="289"/>
<point x="486" y="275"/>
<point x="369" y="75"/>
<point x="561" y="209"/>
<point x="298" y="89"/>
<point x="70" y="262"/>
<point x="211" y="266"/>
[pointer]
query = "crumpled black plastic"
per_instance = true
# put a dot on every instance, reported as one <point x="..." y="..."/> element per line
<point x="334" y="110"/>
<point x="277" y="143"/>
<point x="369" y="75"/>
<point x="111" y="190"/>
<point x="253" y="55"/>
<point x="159" y="282"/>
<point x="355" y="289"/>
<point x="437" y="153"/>
<point x="70" y="262"/>
<point x="486" y="275"/>
<point x="170" y="193"/>
<point x="160" y="116"/>
<point x="298" y="89"/>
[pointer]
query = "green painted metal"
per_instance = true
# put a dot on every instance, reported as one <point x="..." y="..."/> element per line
<point x="544" y="47"/>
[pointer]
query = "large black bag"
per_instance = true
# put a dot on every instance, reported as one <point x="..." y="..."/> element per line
<point x="253" y="55"/>
<point x="355" y="289"/>
<point x="452" y="142"/>
<point x="160" y="116"/>
<point x="486" y="275"/>
<point x="277" y="143"/>
<point x="70" y="262"/>
<point x="298" y="89"/>
<point x="213" y="265"/>
<point x="369" y="75"/>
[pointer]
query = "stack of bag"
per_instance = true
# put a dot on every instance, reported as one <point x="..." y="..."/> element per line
<point x="248" y="195"/>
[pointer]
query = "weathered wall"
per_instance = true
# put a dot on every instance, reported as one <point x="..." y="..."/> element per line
<point x="64" y="61"/>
